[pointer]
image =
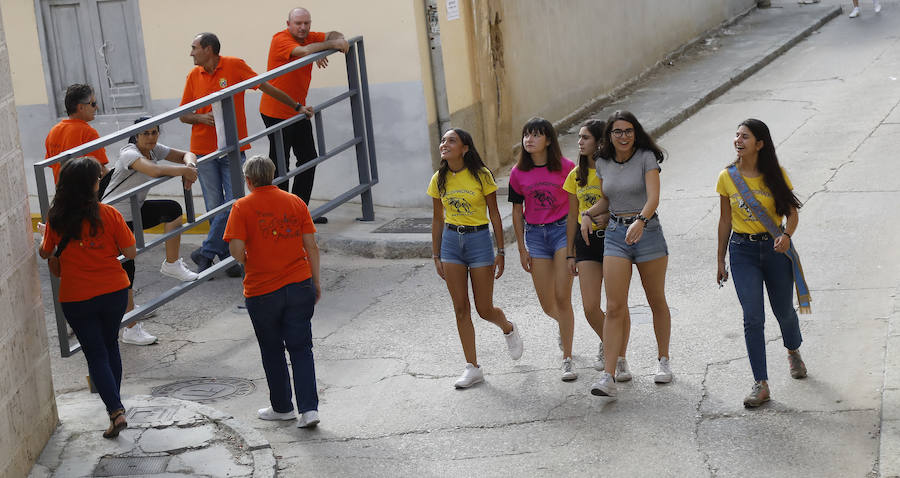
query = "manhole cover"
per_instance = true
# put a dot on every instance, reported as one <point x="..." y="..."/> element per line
<point x="408" y="225"/>
<point x="641" y="314"/>
<point x="205" y="390"/>
<point x="131" y="466"/>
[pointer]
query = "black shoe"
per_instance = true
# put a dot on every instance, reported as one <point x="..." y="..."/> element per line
<point x="320" y="220"/>
<point x="202" y="261"/>
<point x="235" y="271"/>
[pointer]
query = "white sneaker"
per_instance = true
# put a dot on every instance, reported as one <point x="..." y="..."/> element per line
<point x="854" y="13"/>
<point x="568" y="370"/>
<point x="308" y="419"/>
<point x="877" y="7"/>
<point x="663" y="372"/>
<point x="178" y="270"/>
<point x="605" y="387"/>
<point x="622" y="372"/>
<point x="269" y="413"/>
<point x="137" y="335"/>
<point x="469" y="377"/>
<point x="514" y="343"/>
<point x="600" y="363"/>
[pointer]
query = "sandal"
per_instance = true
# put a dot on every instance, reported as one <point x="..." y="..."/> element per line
<point x="117" y="423"/>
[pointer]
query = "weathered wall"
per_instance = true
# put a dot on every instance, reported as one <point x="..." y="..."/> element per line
<point x="27" y="405"/>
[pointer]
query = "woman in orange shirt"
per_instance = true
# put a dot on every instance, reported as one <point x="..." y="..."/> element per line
<point x="87" y="238"/>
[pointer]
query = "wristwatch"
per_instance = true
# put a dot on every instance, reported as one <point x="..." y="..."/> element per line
<point x="297" y="108"/>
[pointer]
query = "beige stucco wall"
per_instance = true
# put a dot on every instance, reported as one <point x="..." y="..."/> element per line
<point x="27" y="405"/>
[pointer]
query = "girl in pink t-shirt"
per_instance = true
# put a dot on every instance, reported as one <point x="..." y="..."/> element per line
<point x="540" y="207"/>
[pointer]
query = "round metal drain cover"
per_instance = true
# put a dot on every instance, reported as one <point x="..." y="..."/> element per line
<point x="206" y="390"/>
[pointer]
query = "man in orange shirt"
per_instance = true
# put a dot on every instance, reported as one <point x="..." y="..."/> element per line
<point x="213" y="73"/>
<point x="81" y="106"/>
<point x="294" y="42"/>
<point x="271" y="232"/>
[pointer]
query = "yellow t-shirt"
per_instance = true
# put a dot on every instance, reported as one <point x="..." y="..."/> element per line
<point x="742" y="219"/>
<point x="463" y="199"/>
<point x="587" y="195"/>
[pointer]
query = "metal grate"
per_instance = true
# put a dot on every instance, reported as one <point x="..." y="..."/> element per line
<point x="131" y="466"/>
<point x="407" y="225"/>
<point x="205" y="390"/>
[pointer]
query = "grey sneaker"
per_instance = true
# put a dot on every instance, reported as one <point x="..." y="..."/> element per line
<point x="514" y="343"/>
<point x="308" y="419"/>
<point x="663" y="372"/>
<point x="758" y="395"/>
<point x="622" y="372"/>
<point x="798" y="368"/>
<point x="600" y="363"/>
<point x="605" y="387"/>
<point x="568" y="370"/>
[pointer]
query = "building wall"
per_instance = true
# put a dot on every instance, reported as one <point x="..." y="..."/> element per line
<point x="27" y="404"/>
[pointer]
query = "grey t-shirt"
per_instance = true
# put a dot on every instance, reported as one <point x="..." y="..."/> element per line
<point x="623" y="183"/>
<point x="125" y="178"/>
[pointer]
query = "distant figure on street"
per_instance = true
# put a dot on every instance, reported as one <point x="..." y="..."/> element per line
<point x="140" y="161"/>
<point x="272" y="234"/>
<point x="297" y="41"/>
<point x="585" y="258"/>
<point x="81" y="106"/>
<point x="464" y="196"/>
<point x="756" y="198"/>
<point x="213" y="73"/>
<point x="540" y="208"/>
<point x="628" y="169"/>
<point x="86" y="238"/>
<point x="855" y="12"/>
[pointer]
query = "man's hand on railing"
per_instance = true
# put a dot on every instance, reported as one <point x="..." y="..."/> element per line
<point x="322" y="63"/>
<point x="308" y="111"/>
<point x="189" y="176"/>
<point x="341" y="44"/>
<point x="199" y="118"/>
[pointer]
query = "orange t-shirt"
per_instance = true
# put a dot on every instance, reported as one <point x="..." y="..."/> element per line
<point x="67" y="134"/>
<point x="271" y="222"/>
<point x="229" y="72"/>
<point x="89" y="265"/>
<point x="295" y="83"/>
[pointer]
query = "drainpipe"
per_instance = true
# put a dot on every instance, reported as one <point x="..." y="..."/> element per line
<point x="439" y="82"/>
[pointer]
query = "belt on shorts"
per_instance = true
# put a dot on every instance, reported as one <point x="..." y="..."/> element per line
<point x="599" y="233"/>
<point x="465" y="229"/>
<point x="762" y="236"/>
<point x="558" y="222"/>
<point x="628" y="220"/>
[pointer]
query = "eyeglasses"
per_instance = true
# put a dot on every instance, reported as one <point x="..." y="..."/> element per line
<point x="618" y="133"/>
<point x="92" y="103"/>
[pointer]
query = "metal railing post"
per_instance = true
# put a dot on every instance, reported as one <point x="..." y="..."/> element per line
<point x="364" y="87"/>
<point x="231" y="141"/>
<point x="359" y="131"/>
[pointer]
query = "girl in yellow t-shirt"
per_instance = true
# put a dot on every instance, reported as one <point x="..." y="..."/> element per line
<point x="464" y="195"/>
<point x="586" y="259"/>
<point x="756" y="257"/>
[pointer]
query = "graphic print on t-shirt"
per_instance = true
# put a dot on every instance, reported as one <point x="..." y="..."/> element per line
<point x="460" y="204"/>
<point x="278" y="228"/>
<point x="541" y="195"/>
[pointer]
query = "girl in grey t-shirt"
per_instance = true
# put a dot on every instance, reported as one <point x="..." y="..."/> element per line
<point x="629" y="169"/>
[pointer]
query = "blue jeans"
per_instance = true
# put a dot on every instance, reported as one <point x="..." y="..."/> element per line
<point x="752" y="264"/>
<point x="215" y="181"/>
<point x="281" y="319"/>
<point x="543" y="240"/>
<point x="96" y="324"/>
<point x="472" y="249"/>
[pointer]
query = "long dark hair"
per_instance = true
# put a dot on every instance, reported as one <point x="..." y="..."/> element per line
<point x="554" y="153"/>
<point x="595" y="127"/>
<point x="642" y="140"/>
<point x="767" y="164"/>
<point x="471" y="160"/>
<point x="75" y="200"/>
<point x="133" y="138"/>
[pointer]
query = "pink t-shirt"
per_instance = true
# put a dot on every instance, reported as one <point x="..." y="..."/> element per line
<point x="542" y="192"/>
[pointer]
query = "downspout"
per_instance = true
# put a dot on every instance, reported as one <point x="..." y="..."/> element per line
<point x="439" y="82"/>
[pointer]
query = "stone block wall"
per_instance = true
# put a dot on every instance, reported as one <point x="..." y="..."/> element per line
<point x="27" y="404"/>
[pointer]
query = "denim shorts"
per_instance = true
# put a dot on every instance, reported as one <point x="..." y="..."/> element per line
<point x="652" y="244"/>
<point x="473" y="249"/>
<point x="592" y="251"/>
<point x="543" y="240"/>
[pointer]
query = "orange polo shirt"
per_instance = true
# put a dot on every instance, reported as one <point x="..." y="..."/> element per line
<point x="89" y="265"/>
<point x="295" y="83"/>
<point x="271" y="222"/>
<point x="229" y="72"/>
<point x="67" y="134"/>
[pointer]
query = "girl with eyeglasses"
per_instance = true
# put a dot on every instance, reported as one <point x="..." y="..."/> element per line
<point x="628" y="170"/>
<point x="585" y="257"/>
<point x="540" y="209"/>
<point x="464" y="196"/>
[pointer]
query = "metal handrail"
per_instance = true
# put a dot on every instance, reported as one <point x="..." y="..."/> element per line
<point x="357" y="93"/>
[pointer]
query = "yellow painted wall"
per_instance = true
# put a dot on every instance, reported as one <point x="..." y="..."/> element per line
<point x="20" y="25"/>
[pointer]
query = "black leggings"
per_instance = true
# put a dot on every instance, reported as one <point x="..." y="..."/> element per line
<point x="153" y="213"/>
<point x="298" y="137"/>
